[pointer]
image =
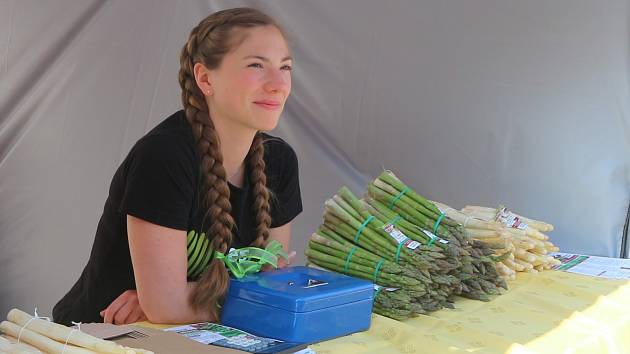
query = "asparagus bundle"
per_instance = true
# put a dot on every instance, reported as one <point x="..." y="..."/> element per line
<point x="383" y="253"/>
<point x="346" y="216"/>
<point x="355" y="261"/>
<point x="11" y="346"/>
<point x="505" y="231"/>
<point x="395" y="303"/>
<point x="51" y="337"/>
<point x="477" y="270"/>
<point x="485" y="213"/>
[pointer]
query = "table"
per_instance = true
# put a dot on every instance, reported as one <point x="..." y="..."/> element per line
<point x="549" y="312"/>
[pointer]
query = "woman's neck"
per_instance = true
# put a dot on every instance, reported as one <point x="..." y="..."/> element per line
<point x="236" y="141"/>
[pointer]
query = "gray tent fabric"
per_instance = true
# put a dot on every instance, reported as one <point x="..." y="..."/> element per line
<point x="470" y="102"/>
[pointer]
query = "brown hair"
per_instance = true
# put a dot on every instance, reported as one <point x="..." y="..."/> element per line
<point x="207" y="44"/>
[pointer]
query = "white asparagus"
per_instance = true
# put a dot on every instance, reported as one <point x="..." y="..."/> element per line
<point x="533" y="233"/>
<point x="539" y="250"/>
<point x="467" y="221"/>
<point x="60" y="332"/>
<point x="526" y="265"/>
<point x="10" y="345"/>
<point x="39" y="341"/>
<point x="525" y="255"/>
<point x="513" y="265"/>
<point x="528" y="247"/>
<point x="536" y="224"/>
<point x="523" y="244"/>
<point x="496" y="242"/>
<point x="504" y="270"/>
<point x="480" y="233"/>
<point x="480" y="209"/>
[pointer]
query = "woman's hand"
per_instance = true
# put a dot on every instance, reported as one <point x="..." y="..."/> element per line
<point x="281" y="234"/>
<point x="281" y="262"/>
<point x="124" y="310"/>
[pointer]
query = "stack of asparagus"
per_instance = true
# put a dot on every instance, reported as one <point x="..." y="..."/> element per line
<point x="398" y="285"/>
<point x="355" y="242"/>
<point x="37" y="335"/>
<point x="478" y="273"/>
<point x="387" y="238"/>
<point x="506" y="231"/>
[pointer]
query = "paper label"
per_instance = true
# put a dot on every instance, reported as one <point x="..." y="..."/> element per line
<point x="400" y="237"/>
<point x="603" y="267"/>
<point x="376" y="287"/>
<point x="198" y="334"/>
<point x="213" y="333"/>
<point x="435" y="238"/>
<point x="411" y="244"/>
<point x="509" y="219"/>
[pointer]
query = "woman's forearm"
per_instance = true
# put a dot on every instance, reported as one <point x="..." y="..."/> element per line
<point x="173" y="308"/>
<point x="281" y="234"/>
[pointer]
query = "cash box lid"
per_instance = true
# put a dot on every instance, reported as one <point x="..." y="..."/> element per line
<point x="300" y="289"/>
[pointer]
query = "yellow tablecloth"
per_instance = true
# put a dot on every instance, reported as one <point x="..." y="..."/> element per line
<point x="550" y="312"/>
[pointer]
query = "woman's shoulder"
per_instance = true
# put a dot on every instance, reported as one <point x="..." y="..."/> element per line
<point x="280" y="157"/>
<point x="276" y="147"/>
<point x="170" y="140"/>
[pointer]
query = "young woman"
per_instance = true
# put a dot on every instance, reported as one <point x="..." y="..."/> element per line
<point x="207" y="170"/>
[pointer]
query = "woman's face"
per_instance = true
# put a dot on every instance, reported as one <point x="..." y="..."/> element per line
<point x="253" y="81"/>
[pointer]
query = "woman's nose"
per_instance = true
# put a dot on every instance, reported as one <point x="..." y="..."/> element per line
<point x="277" y="81"/>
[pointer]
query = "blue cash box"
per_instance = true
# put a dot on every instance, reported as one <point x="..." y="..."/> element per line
<point x="299" y="304"/>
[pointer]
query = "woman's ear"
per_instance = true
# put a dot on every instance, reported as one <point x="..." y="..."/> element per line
<point x="202" y="78"/>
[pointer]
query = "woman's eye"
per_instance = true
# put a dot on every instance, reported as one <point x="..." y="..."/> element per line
<point x="255" y="65"/>
<point x="287" y="67"/>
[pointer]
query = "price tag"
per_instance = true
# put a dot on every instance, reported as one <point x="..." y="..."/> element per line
<point x="509" y="219"/>
<point x="376" y="287"/>
<point x="400" y="237"/>
<point x="435" y="238"/>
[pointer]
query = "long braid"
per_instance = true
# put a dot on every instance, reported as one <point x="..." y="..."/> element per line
<point x="207" y="44"/>
<point x="212" y="286"/>
<point x="261" y="193"/>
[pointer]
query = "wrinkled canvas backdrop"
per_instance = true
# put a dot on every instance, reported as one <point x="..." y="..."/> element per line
<point x="471" y="102"/>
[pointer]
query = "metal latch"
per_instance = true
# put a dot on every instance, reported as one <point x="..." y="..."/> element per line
<point x="311" y="283"/>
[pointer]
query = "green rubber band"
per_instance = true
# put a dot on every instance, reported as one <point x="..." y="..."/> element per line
<point x="405" y="190"/>
<point x="378" y="291"/>
<point x="398" y="252"/>
<point x="348" y="258"/>
<point x="365" y="223"/>
<point x="249" y="260"/>
<point x="437" y="223"/>
<point x="394" y="220"/>
<point x="378" y="269"/>
<point x="433" y="239"/>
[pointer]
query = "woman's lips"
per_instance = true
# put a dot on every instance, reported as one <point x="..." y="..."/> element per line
<point x="268" y="105"/>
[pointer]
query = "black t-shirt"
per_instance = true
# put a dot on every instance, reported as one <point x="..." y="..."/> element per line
<point x="160" y="181"/>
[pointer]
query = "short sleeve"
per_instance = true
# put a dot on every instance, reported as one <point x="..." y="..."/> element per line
<point x="159" y="184"/>
<point x="283" y="181"/>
